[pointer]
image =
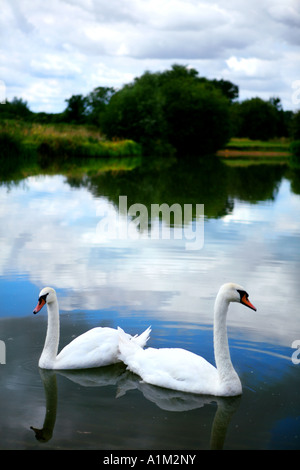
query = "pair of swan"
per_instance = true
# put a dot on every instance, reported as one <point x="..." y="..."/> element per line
<point x="172" y="368"/>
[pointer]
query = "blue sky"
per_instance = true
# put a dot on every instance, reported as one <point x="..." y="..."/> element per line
<point x="52" y="50"/>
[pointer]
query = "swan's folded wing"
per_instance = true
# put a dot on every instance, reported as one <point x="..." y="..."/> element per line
<point x="173" y="368"/>
<point x="96" y="348"/>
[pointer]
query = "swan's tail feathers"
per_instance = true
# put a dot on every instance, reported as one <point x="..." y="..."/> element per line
<point x="142" y="339"/>
<point x="127" y="346"/>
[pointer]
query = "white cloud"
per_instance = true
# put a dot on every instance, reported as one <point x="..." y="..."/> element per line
<point x="251" y="67"/>
<point x="177" y="15"/>
<point x="255" y="45"/>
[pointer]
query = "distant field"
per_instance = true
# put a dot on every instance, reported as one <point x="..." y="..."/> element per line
<point x="245" y="151"/>
<point x="247" y="144"/>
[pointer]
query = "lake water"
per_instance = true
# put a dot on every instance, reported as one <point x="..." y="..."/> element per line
<point x="50" y="235"/>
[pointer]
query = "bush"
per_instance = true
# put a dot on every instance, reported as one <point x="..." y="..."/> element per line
<point x="55" y="150"/>
<point x="63" y="150"/>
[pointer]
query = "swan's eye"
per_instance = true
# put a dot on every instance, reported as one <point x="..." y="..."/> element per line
<point x="43" y="298"/>
<point x="243" y="294"/>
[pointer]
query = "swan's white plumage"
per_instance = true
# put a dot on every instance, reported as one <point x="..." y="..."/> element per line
<point x="96" y="348"/>
<point x="185" y="371"/>
<point x="173" y="368"/>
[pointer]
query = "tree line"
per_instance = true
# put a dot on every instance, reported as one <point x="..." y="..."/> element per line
<point x="172" y="111"/>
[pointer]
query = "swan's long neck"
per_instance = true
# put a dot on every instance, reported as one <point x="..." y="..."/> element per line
<point x="49" y="353"/>
<point x="227" y="374"/>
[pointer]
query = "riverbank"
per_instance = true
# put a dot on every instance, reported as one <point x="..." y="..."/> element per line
<point x="243" y="152"/>
<point x="25" y="144"/>
<point x="51" y="142"/>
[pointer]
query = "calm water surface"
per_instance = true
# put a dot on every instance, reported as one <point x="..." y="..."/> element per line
<point x="49" y="235"/>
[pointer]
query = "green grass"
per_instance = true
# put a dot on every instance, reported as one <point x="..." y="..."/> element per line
<point x="65" y="141"/>
<point x="32" y="148"/>
<point x="246" y="152"/>
<point x="276" y="145"/>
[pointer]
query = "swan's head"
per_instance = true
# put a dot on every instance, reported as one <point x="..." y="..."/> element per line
<point x="236" y="293"/>
<point x="47" y="295"/>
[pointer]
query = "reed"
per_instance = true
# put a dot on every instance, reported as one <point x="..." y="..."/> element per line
<point x="63" y="149"/>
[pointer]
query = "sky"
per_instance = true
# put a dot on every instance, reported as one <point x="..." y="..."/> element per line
<point x="50" y="51"/>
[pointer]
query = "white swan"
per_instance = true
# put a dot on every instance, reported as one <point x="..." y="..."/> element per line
<point x="182" y="370"/>
<point x="95" y="348"/>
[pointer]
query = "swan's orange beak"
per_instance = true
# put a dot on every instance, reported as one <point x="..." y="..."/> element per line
<point x="246" y="301"/>
<point x="40" y="305"/>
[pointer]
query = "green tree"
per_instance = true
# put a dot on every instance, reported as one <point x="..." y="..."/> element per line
<point x="257" y="119"/>
<point x="135" y="112"/>
<point x="173" y="109"/>
<point x="76" y="109"/>
<point x="196" y="113"/>
<point x="96" y="104"/>
<point x="228" y="89"/>
<point x="17" y="108"/>
<point x="284" y="118"/>
<point x="295" y="126"/>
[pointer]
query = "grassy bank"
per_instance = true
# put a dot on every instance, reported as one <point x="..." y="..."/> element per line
<point x="33" y="146"/>
<point x="245" y="151"/>
<point x="276" y="145"/>
<point x="48" y="144"/>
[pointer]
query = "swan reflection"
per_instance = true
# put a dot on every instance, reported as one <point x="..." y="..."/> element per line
<point x="125" y="381"/>
<point x="172" y="400"/>
<point x="97" y="377"/>
<point x="45" y="433"/>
